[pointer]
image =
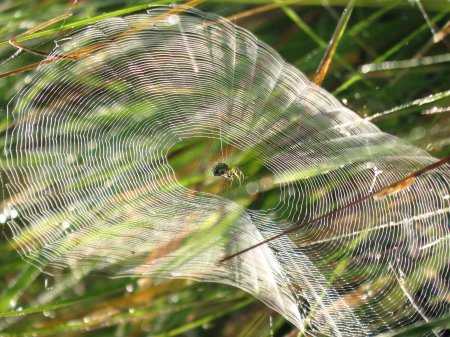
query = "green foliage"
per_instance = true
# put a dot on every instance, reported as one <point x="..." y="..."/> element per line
<point x="415" y="100"/>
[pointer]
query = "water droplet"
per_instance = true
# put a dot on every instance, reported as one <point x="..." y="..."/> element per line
<point x="47" y="284"/>
<point x="48" y="314"/>
<point x="174" y="298"/>
<point x="65" y="225"/>
<point x="271" y="325"/>
<point x="12" y="303"/>
<point x="370" y="165"/>
<point x="27" y="80"/>
<point x="173" y="19"/>
<point x="13" y="213"/>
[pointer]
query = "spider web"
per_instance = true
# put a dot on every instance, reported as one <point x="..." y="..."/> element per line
<point x="97" y="177"/>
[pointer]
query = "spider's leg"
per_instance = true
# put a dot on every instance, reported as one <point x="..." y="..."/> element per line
<point x="233" y="176"/>
<point x="240" y="176"/>
<point x="226" y="176"/>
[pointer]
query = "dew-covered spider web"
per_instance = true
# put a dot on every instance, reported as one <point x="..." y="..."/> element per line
<point x="110" y="160"/>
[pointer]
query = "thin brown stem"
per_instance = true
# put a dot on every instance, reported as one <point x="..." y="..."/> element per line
<point x="252" y="12"/>
<point x="261" y="9"/>
<point x="377" y="194"/>
<point x="45" y="24"/>
<point x="17" y="45"/>
<point x="86" y="51"/>
<point x="325" y="63"/>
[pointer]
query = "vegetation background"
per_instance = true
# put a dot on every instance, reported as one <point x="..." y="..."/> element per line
<point x="392" y="62"/>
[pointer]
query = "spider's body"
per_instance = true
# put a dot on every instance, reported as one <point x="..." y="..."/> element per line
<point x="223" y="170"/>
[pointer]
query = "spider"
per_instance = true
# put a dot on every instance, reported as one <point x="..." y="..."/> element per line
<point x="223" y="170"/>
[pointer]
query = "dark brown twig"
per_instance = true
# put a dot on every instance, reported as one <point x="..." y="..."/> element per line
<point x="377" y="194"/>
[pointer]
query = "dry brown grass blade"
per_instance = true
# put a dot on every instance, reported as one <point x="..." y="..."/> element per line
<point x="393" y="189"/>
<point x="252" y="12"/>
<point x="71" y="56"/>
<point x="377" y="194"/>
<point x="45" y="24"/>
<point x="19" y="70"/>
<point x="325" y="63"/>
<point x="17" y="45"/>
<point x="442" y="34"/>
<point x="261" y="9"/>
<point x="15" y="40"/>
<point x="86" y="51"/>
<point x="103" y="311"/>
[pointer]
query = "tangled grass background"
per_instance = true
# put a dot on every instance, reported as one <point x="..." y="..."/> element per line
<point x="406" y="96"/>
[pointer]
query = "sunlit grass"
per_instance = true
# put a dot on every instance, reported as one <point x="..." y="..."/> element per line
<point x="80" y="303"/>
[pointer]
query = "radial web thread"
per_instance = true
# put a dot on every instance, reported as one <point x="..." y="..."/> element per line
<point x="95" y="151"/>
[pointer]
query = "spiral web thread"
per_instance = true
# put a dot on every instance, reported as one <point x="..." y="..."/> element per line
<point x="91" y="181"/>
